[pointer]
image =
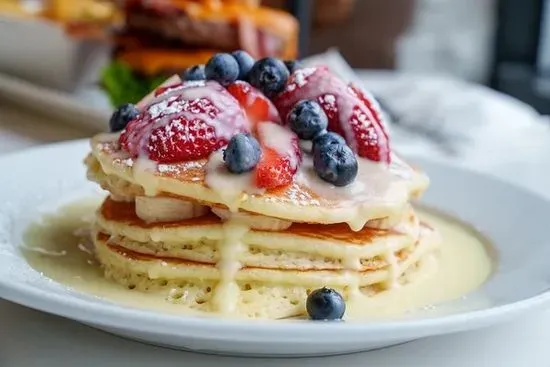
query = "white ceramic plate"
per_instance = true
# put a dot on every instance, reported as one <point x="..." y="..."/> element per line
<point x="516" y="220"/>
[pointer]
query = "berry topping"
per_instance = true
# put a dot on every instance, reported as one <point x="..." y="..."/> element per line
<point x="245" y="62"/>
<point x="184" y="122"/>
<point x="328" y="139"/>
<point x="307" y="119"/>
<point x="325" y="304"/>
<point x="222" y="68"/>
<point x="257" y="106"/>
<point x="269" y="75"/>
<point x="281" y="156"/>
<point x="350" y="111"/>
<point x="369" y="129"/>
<point x="242" y="153"/>
<point x="293" y="65"/>
<point x="194" y="73"/>
<point x="335" y="163"/>
<point x="122" y="116"/>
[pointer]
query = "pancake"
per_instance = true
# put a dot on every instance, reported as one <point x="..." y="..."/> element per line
<point x="303" y="246"/>
<point x="274" y="271"/>
<point x="378" y="192"/>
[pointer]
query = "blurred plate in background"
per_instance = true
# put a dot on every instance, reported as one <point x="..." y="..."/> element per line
<point x="41" y="51"/>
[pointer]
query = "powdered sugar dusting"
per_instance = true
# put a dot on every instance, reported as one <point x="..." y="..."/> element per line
<point x="186" y="121"/>
<point x="300" y="78"/>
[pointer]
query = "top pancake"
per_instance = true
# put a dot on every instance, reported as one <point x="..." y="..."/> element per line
<point x="379" y="191"/>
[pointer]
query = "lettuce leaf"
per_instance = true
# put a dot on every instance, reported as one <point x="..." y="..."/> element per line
<point x="124" y="86"/>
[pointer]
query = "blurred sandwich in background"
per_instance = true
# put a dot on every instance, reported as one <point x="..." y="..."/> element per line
<point x="59" y="44"/>
<point x="163" y="37"/>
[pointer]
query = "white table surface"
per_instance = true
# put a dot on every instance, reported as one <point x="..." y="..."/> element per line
<point x="29" y="338"/>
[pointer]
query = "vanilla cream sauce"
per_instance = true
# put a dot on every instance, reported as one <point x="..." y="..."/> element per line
<point x="59" y="247"/>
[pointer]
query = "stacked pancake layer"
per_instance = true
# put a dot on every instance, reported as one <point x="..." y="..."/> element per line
<point x="228" y="264"/>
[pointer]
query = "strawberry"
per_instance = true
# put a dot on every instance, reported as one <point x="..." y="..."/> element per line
<point x="184" y="122"/>
<point x="273" y="170"/>
<point x="350" y="111"/>
<point x="368" y="128"/>
<point x="257" y="106"/>
<point x="280" y="158"/>
<point x="298" y="86"/>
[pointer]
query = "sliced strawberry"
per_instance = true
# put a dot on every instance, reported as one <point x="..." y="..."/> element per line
<point x="298" y="87"/>
<point x="281" y="156"/>
<point x="257" y="106"/>
<point x="369" y="129"/>
<point x="184" y="122"/>
<point x="350" y="111"/>
<point x="273" y="170"/>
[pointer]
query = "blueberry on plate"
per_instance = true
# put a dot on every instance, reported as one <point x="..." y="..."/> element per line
<point x="269" y="75"/>
<point x="293" y="65"/>
<point x="307" y="119"/>
<point x="194" y="73"/>
<point x="242" y="153"/>
<point x="245" y="62"/>
<point x="122" y="116"/>
<point x="325" y="304"/>
<point x="222" y="68"/>
<point x="335" y="163"/>
<point x="328" y="138"/>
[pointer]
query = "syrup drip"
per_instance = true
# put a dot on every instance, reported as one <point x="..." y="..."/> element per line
<point x="229" y="186"/>
<point x="227" y="291"/>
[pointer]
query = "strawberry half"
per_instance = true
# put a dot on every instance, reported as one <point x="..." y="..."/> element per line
<point x="184" y="122"/>
<point x="368" y="128"/>
<point x="351" y="113"/>
<point x="257" y="106"/>
<point x="281" y="156"/>
<point x="298" y="87"/>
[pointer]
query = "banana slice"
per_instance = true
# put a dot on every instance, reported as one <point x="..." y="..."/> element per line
<point x="162" y="209"/>
<point x="382" y="223"/>
<point x="253" y="221"/>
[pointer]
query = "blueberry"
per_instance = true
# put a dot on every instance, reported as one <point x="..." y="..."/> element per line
<point x="245" y="62"/>
<point x="293" y="65"/>
<point x="335" y="163"/>
<point x="242" y="153"/>
<point x="222" y="68"/>
<point x="325" y="304"/>
<point x="327" y="139"/>
<point x="269" y="75"/>
<point x="122" y="116"/>
<point x="307" y="119"/>
<point x="194" y="73"/>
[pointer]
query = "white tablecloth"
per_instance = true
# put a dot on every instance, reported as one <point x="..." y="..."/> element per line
<point x="477" y="128"/>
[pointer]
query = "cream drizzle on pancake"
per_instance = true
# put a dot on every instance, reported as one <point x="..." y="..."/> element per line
<point x="229" y="186"/>
<point x="226" y="293"/>
<point x="144" y="172"/>
<point x="378" y="192"/>
<point x="373" y="181"/>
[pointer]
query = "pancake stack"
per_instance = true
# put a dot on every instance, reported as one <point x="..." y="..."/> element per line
<point x="208" y="239"/>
